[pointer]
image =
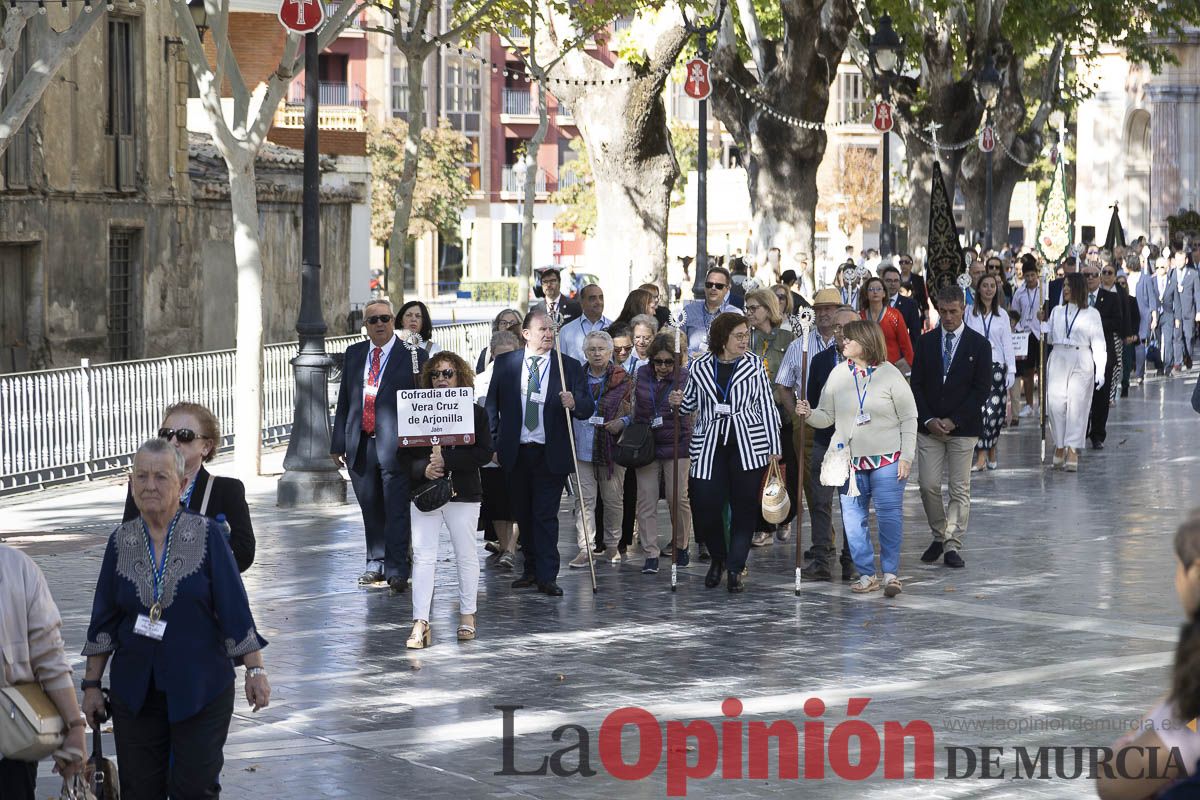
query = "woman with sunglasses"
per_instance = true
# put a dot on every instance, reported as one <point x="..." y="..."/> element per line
<point x="507" y="320"/>
<point x="736" y="435"/>
<point x="461" y="463"/>
<point x="770" y="342"/>
<point x="195" y="432"/>
<point x="655" y="382"/>
<point x="872" y="305"/>
<point x="414" y="316"/>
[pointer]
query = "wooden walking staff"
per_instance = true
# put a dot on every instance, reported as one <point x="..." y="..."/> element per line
<point x="1043" y="339"/>
<point x="556" y="323"/>
<point x="802" y="323"/>
<point x="675" y="455"/>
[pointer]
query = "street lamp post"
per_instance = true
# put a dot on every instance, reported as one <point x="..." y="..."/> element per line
<point x="987" y="86"/>
<point x="886" y="51"/>
<point x="310" y="476"/>
<point x="699" y="273"/>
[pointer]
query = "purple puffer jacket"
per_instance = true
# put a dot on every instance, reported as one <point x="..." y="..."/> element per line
<point x="646" y="408"/>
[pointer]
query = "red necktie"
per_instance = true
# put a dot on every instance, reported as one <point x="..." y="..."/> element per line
<point x="368" y="422"/>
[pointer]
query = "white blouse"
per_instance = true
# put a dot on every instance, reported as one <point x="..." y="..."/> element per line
<point x="1086" y="332"/>
<point x="996" y="330"/>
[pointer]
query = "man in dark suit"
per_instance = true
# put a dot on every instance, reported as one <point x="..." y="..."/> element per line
<point x="915" y="284"/>
<point x="951" y="379"/>
<point x="365" y="441"/>
<point x="553" y="301"/>
<point x="905" y="305"/>
<point x="526" y="401"/>
<point x="1054" y="289"/>
<point x="1112" y="316"/>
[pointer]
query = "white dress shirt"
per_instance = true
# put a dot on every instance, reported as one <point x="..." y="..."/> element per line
<point x="995" y="329"/>
<point x="1027" y="302"/>
<point x="572" y="335"/>
<point x="383" y="359"/>
<point x="538" y="434"/>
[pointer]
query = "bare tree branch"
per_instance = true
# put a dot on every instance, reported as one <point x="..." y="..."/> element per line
<point x="753" y="34"/>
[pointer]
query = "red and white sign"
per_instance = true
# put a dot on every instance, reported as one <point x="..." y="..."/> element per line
<point x="987" y="139"/>
<point x="435" y="416"/>
<point x="697" y="86"/>
<point x="301" y="16"/>
<point x="884" y="120"/>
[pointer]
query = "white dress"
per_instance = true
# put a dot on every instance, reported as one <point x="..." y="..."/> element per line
<point x="1075" y="365"/>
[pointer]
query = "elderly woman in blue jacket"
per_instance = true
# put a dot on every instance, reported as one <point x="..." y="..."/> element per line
<point x="172" y="614"/>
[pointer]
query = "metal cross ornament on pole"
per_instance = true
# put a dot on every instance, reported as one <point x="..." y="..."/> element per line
<point x="803" y="323"/>
<point x="679" y="351"/>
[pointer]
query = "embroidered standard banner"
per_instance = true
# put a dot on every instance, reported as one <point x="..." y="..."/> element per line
<point x="435" y="416"/>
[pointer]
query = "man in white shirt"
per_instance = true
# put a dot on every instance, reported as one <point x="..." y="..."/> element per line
<point x="571" y="335"/>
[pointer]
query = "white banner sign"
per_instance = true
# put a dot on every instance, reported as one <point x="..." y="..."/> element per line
<point x="435" y="416"/>
<point x="1020" y="341"/>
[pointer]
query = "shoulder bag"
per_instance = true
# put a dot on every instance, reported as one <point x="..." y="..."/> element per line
<point x="776" y="505"/>
<point x="30" y="726"/>
<point x="635" y="448"/>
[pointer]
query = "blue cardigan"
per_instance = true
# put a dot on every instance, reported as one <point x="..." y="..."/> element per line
<point x="203" y="603"/>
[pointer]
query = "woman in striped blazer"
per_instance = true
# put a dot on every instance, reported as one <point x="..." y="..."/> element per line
<point x="735" y="436"/>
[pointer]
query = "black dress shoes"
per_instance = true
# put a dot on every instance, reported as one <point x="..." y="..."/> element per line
<point x="370" y="576"/>
<point x="932" y="553"/>
<point x="713" y="579"/>
<point x="953" y="559"/>
<point x="398" y="585"/>
<point x="736" y="586"/>
<point x="1097" y="444"/>
<point x="550" y="588"/>
<point x="524" y="582"/>
<point x="816" y="572"/>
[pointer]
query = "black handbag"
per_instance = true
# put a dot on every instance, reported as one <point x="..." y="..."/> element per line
<point x="434" y="494"/>
<point x="635" y="448"/>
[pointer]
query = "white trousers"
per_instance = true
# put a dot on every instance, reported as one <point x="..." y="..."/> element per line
<point x="1070" y="381"/>
<point x="593" y="481"/>
<point x="461" y="519"/>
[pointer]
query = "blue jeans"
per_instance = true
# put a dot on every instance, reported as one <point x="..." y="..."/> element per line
<point x="881" y="486"/>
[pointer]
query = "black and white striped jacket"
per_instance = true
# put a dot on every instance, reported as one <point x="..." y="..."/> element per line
<point x="754" y="423"/>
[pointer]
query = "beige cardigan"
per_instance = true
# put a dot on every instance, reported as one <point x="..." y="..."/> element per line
<point x="31" y="646"/>
<point x="889" y="402"/>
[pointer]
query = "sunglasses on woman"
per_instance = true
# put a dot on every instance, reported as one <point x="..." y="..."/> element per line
<point x="184" y="435"/>
<point x="664" y="362"/>
<point x="442" y="373"/>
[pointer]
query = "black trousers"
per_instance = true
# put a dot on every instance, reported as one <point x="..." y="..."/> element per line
<point x="1098" y="420"/>
<point x="535" y="494"/>
<point x="742" y="490"/>
<point x="383" y="496"/>
<point x="160" y="759"/>
<point x="17" y="779"/>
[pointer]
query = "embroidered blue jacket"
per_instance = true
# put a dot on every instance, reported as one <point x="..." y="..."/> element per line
<point x="203" y="603"/>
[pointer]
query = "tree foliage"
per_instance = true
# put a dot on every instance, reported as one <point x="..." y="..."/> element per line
<point x="443" y="180"/>
<point x="859" y="191"/>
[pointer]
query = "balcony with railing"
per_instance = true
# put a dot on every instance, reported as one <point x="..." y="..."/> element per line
<point x="510" y="185"/>
<point x="356" y="23"/>
<point x="330" y="94"/>
<point x="518" y="103"/>
<point x="342" y="107"/>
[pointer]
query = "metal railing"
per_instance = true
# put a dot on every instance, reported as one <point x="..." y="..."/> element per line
<point x="509" y="182"/>
<point x="330" y="94"/>
<point x="81" y="422"/>
<point x="518" y="102"/>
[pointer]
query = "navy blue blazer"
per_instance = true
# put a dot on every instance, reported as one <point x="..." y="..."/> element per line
<point x="961" y="396"/>
<point x="347" y="425"/>
<point x="820" y="367"/>
<point x="912" y="316"/>
<point x="506" y="409"/>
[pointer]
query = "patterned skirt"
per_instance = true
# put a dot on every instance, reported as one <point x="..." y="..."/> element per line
<point x="993" y="409"/>
<point x="1115" y="371"/>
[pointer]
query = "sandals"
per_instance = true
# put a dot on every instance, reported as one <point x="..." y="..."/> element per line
<point x="865" y="583"/>
<point x="1072" y="462"/>
<point x="466" y="632"/>
<point x="421" y="637"/>
<point x="1060" y="456"/>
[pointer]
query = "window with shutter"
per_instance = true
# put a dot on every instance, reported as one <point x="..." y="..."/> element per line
<point x="17" y="157"/>
<point x="120" y="126"/>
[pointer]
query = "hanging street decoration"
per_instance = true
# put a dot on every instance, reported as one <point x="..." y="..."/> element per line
<point x="301" y="16"/>
<point x="697" y="85"/>
<point x="883" y="120"/>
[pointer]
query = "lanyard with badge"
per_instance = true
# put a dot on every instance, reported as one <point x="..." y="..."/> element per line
<point x="598" y="419"/>
<point x="152" y="626"/>
<point x="987" y="326"/>
<point x="1068" y="322"/>
<point x="656" y="420"/>
<point x="724" y="407"/>
<point x="863" y="417"/>
<point x="538" y="374"/>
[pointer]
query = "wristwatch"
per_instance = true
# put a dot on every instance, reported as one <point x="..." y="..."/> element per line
<point x="78" y="722"/>
<point x="86" y="684"/>
<point x="254" y="672"/>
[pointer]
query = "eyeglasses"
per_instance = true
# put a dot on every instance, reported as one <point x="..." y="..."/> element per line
<point x="663" y="362"/>
<point x="750" y="309"/>
<point x="741" y="337"/>
<point x="1107" y="272"/>
<point x="443" y="373"/>
<point x="643" y="339"/>
<point x="711" y="285"/>
<point x="1090" y="275"/>
<point x="183" y="435"/>
<point x="622" y="349"/>
<point x="378" y="318"/>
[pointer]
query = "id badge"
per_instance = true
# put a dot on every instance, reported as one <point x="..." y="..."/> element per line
<point x="657" y="422"/>
<point x="370" y="391"/>
<point x="724" y="409"/>
<point x="151" y="630"/>
<point x="595" y="420"/>
<point x="540" y="399"/>
<point x="862" y="419"/>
